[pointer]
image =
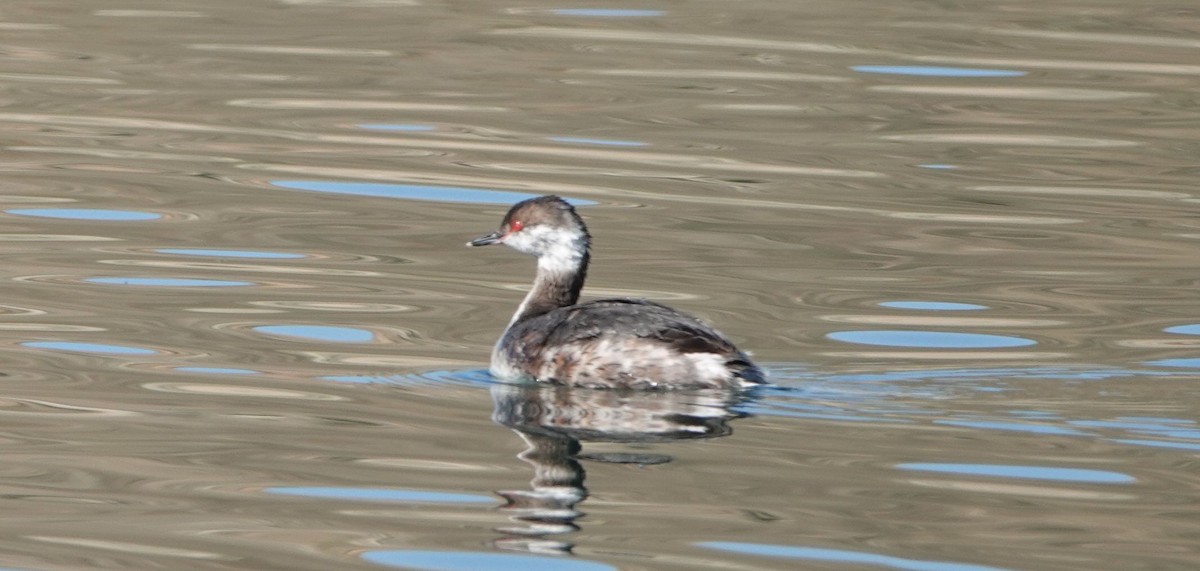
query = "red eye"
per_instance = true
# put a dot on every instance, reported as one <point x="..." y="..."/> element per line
<point x="516" y="226"/>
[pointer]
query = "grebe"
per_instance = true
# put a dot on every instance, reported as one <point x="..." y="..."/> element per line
<point x="607" y="343"/>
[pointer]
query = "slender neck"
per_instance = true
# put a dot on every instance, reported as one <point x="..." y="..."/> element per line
<point x="560" y="275"/>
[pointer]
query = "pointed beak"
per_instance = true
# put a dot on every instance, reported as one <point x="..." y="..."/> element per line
<point x="493" y="238"/>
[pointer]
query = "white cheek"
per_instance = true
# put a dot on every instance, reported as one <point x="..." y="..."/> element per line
<point x="558" y="250"/>
<point x="520" y="241"/>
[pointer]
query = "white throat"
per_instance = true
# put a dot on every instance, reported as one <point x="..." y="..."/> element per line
<point x="562" y="258"/>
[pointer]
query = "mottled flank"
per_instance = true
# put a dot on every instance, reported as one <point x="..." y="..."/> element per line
<point x="608" y="343"/>
<point x="623" y="343"/>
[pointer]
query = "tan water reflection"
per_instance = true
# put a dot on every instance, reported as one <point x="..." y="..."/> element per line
<point x="182" y="335"/>
<point x="554" y="423"/>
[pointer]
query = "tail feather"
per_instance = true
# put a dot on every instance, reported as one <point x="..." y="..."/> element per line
<point x="746" y="372"/>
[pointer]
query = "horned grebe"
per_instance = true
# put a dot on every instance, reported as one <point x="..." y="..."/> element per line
<point x="609" y="343"/>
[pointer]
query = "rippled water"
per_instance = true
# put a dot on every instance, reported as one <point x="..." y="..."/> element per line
<point x="241" y="332"/>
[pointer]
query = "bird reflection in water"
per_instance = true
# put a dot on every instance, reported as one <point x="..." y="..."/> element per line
<point x="554" y="421"/>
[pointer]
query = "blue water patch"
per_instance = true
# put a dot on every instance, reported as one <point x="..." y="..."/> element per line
<point x="361" y="379"/>
<point x="589" y="141"/>
<point x="1193" y="329"/>
<point x="381" y="495"/>
<point x="608" y="12"/>
<point x="410" y="128"/>
<point x="472" y="377"/>
<point x="1024" y="472"/>
<point x="1183" y="363"/>
<point x="478" y="561"/>
<point x="1185" y="434"/>
<point x="416" y="192"/>
<point x="842" y="556"/>
<point x="936" y="71"/>
<point x="937" y="166"/>
<point x="1013" y="427"/>
<point x="929" y="339"/>
<point x="85" y="214"/>
<point x="168" y="282"/>
<point x="319" y="333"/>
<point x="933" y="305"/>
<point x="229" y="253"/>
<point x="762" y="410"/>
<point x="1125" y="425"/>
<point x="216" y="370"/>
<point x="1159" y="443"/>
<point x="990" y="373"/>
<point x="89" y="348"/>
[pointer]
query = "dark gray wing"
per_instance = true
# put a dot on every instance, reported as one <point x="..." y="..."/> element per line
<point x="620" y="319"/>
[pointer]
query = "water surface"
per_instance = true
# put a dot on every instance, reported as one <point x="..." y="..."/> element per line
<point x="241" y="331"/>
